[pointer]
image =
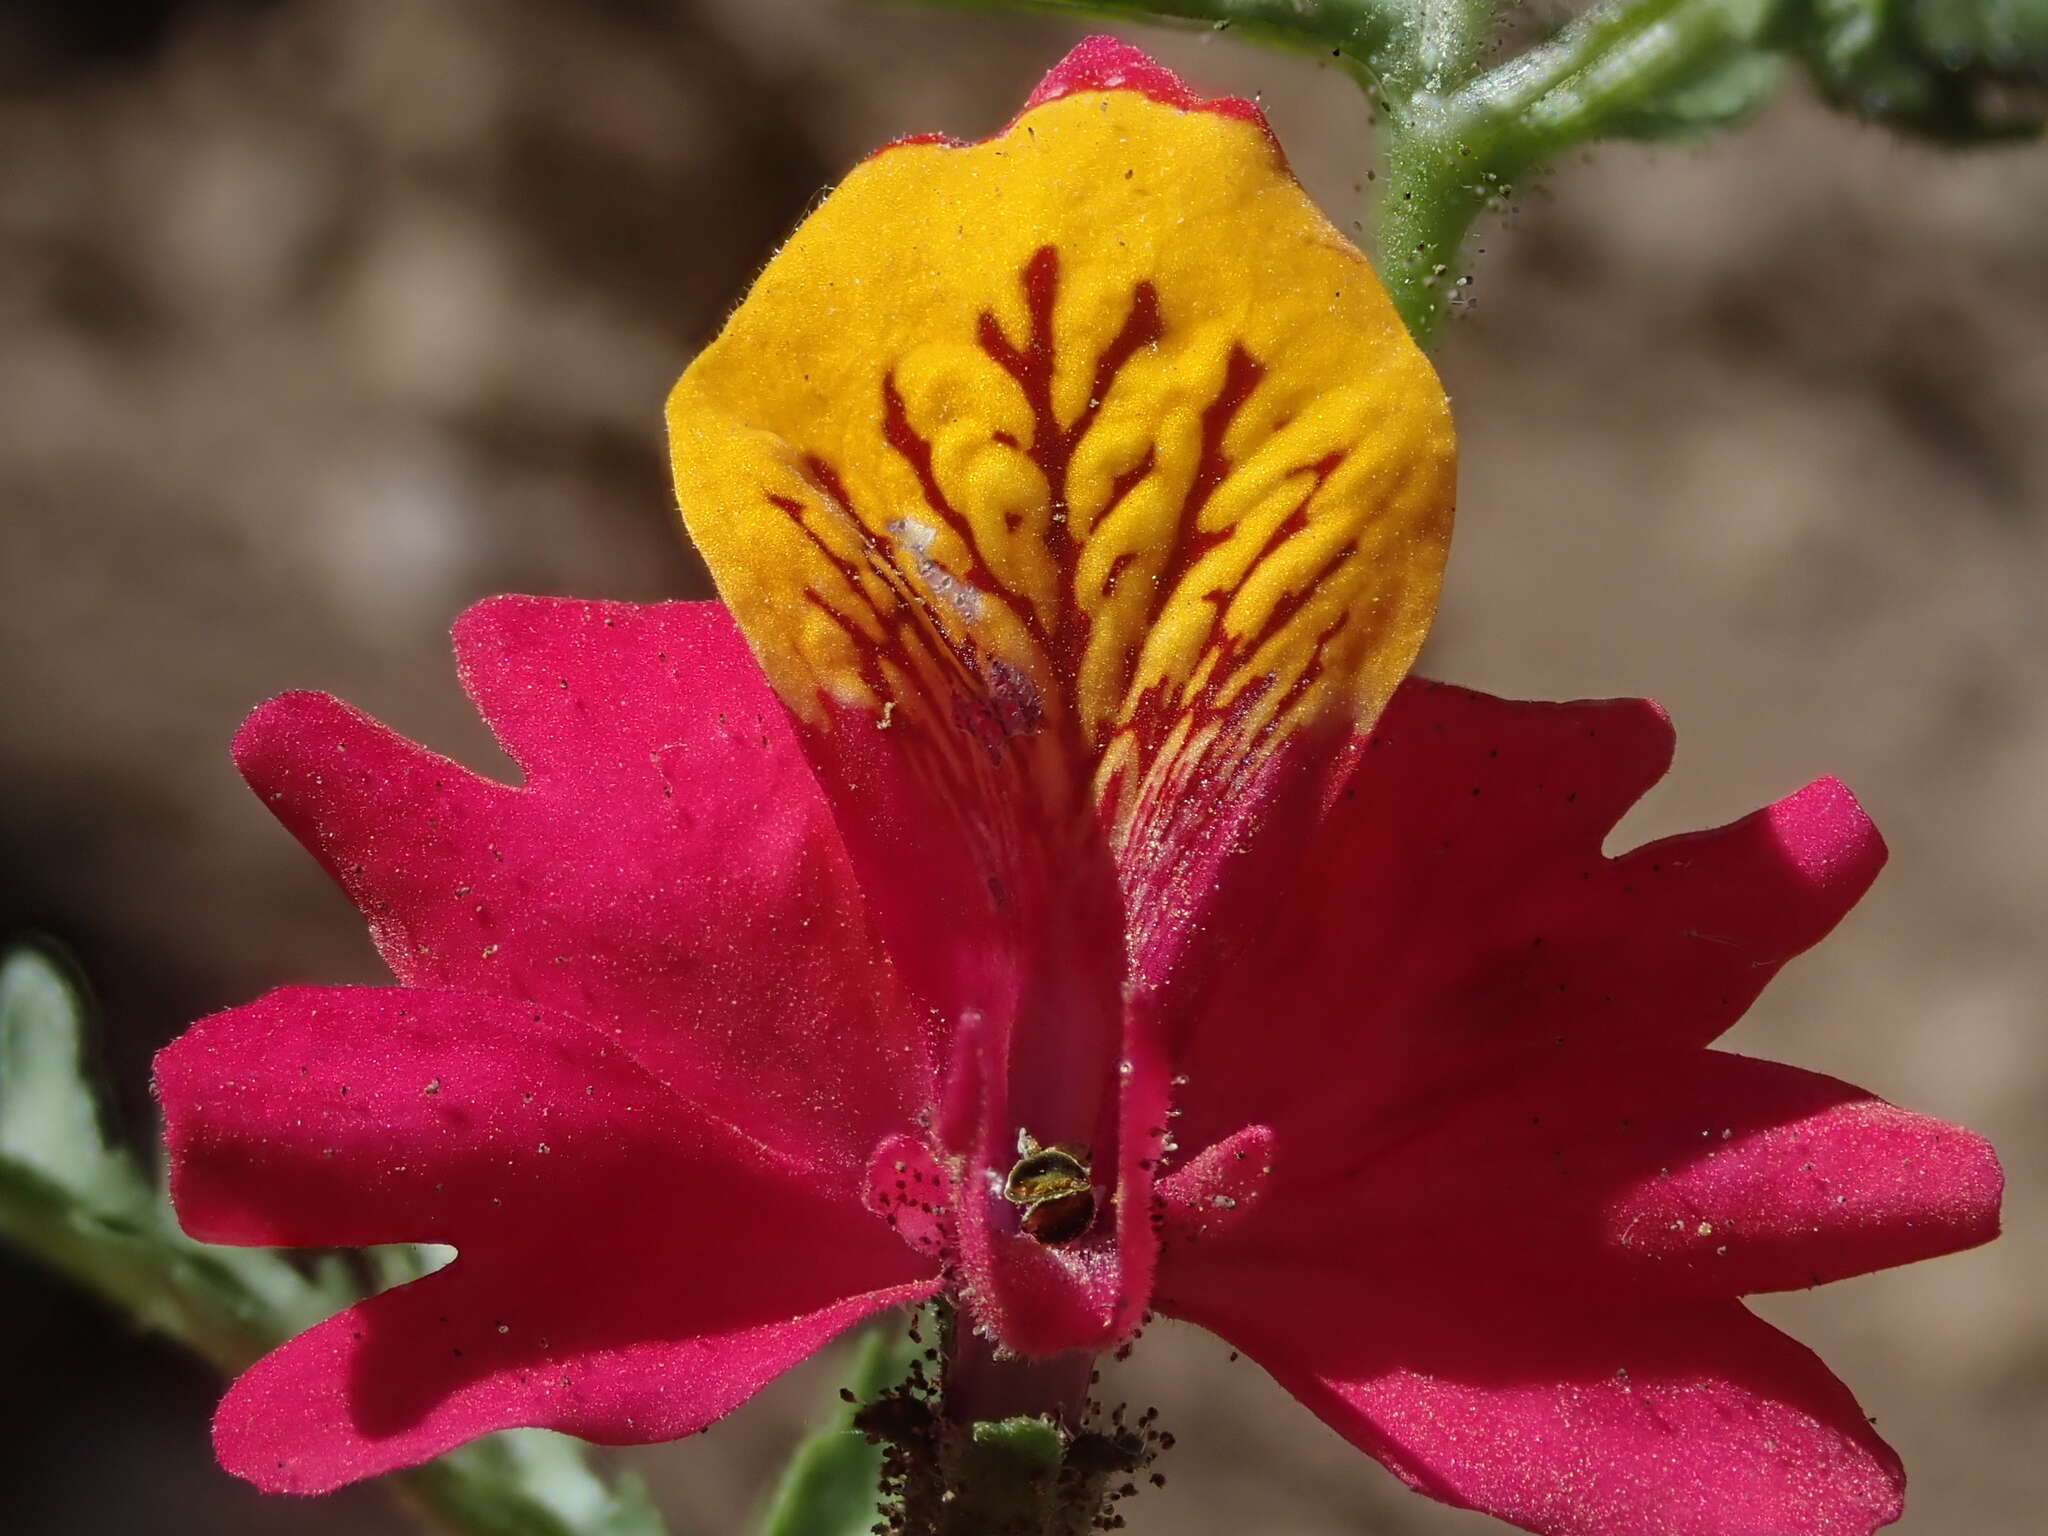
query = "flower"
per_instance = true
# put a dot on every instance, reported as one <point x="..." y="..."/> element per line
<point x="1039" y="885"/>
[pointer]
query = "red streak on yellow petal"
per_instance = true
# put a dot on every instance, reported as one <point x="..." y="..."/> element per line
<point x="1091" y="453"/>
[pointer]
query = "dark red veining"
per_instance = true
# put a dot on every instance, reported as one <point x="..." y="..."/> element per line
<point x="993" y="702"/>
<point x="916" y="450"/>
<point x="1054" y="443"/>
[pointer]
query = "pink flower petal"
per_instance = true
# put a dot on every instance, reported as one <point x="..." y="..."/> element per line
<point x="1216" y="1191"/>
<point x="1690" y="1419"/>
<point x="624" y="1341"/>
<point x="1456" y="915"/>
<point x="1858" y="1186"/>
<point x="669" y="867"/>
<point x="1689" y="1173"/>
<point x="631" y="1265"/>
<point x="336" y="1116"/>
<point x="1104" y="63"/>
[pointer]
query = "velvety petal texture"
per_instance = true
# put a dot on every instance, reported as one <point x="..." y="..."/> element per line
<point x="1455" y="917"/>
<point x="1500" y="1198"/>
<point x="668" y="871"/>
<point x="1080" y="504"/>
<point x="1678" y="1420"/>
<point x="346" y="1116"/>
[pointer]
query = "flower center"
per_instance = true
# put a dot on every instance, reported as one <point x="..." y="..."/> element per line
<point x="1053" y="1186"/>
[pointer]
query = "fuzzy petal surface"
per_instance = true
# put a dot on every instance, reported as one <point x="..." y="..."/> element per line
<point x="1456" y="918"/>
<point x="668" y="869"/>
<point x="1688" y="1419"/>
<point x="397" y="1380"/>
<point x="1467" y="1181"/>
<point x="1671" y="1174"/>
<point x="631" y="1265"/>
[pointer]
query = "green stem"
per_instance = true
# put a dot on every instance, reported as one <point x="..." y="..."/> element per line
<point x="1439" y="43"/>
<point x="1432" y="188"/>
<point x="1599" y="69"/>
<point x="1449" y="156"/>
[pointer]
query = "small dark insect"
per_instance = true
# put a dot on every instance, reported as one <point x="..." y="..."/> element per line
<point x="1052" y="1184"/>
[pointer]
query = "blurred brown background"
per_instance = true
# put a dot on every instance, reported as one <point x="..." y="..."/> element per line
<point x="321" y="318"/>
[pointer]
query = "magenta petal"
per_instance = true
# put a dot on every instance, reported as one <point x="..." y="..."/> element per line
<point x="1677" y="1173"/>
<point x="992" y="908"/>
<point x="1216" y="1191"/>
<point x="1692" y="1419"/>
<point x="1105" y="63"/>
<point x="1456" y="915"/>
<point x="631" y="1265"/>
<point x="669" y="869"/>
<point x="623" y="1341"/>
<point x="1840" y="1185"/>
<point x="339" y="1116"/>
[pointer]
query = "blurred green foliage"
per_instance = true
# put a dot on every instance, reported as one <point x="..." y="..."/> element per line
<point x="85" y="1206"/>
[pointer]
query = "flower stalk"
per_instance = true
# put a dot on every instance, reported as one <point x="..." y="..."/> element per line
<point x="1461" y="140"/>
<point x="993" y="1444"/>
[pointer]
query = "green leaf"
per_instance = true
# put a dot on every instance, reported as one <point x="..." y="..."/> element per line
<point x="49" y="1117"/>
<point x="832" y="1485"/>
<point x="1945" y="69"/>
<point x="2006" y="39"/>
<point x="530" y="1482"/>
<point x="85" y="1206"/>
<point x="1716" y="98"/>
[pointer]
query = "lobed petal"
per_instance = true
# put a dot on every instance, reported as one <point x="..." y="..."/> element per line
<point x="631" y="1266"/>
<point x="669" y="868"/>
<point x="1678" y="1174"/>
<point x="343" y="1116"/>
<point x="1842" y="1189"/>
<point x="1455" y="917"/>
<point x="630" y="1340"/>
<point x="1687" y="1419"/>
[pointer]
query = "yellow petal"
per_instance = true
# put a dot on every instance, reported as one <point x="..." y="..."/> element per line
<point x="1093" y="445"/>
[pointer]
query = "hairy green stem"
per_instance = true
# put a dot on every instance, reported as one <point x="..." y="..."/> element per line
<point x="1438" y="44"/>
<point x="1448" y="157"/>
<point x="1432" y="189"/>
